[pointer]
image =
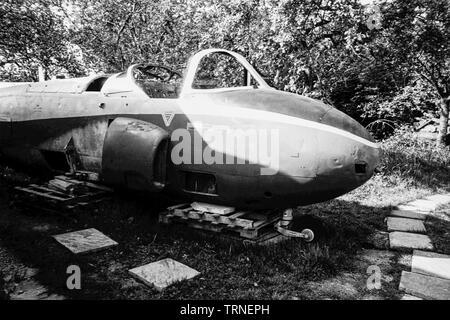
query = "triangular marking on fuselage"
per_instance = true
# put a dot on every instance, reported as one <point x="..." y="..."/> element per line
<point x="168" y="117"/>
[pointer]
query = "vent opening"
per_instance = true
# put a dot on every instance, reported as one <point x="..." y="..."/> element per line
<point x="159" y="164"/>
<point x="200" y="182"/>
<point x="56" y="160"/>
<point x="360" y="168"/>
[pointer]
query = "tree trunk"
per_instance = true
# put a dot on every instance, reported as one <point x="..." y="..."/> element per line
<point x="444" y="107"/>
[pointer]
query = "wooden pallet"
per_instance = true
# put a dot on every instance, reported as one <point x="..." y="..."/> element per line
<point x="247" y="224"/>
<point x="48" y="196"/>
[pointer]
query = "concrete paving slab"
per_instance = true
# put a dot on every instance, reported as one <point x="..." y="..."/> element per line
<point x="424" y="286"/>
<point x="85" y="241"/>
<point x="410" y="297"/>
<point x="408" y="214"/>
<point x="431" y="263"/>
<point x="410" y="207"/>
<point x="212" y="208"/>
<point x="424" y="204"/>
<point x="405" y="224"/>
<point x="439" y="199"/>
<point x="29" y="290"/>
<point x="163" y="273"/>
<point x="408" y="241"/>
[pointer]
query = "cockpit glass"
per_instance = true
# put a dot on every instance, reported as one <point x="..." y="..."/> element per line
<point x="221" y="70"/>
<point x="158" y="81"/>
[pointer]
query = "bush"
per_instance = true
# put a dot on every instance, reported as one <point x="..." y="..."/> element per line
<point x="385" y="114"/>
<point x="408" y="156"/>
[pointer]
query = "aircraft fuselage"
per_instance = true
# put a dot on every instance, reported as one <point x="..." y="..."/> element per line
<point x="245" y="147"/>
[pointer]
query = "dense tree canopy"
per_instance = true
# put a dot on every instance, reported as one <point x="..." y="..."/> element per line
<point x="419" y="37"/>
<point x="387" y="63"/>
<point x="32" y="35"/>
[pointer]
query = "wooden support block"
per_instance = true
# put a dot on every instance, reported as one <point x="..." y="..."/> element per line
<point x="85" y="183"/>
<point x="204" y="216"/>
<point x="212" y="208"/>
<point x="247" y="224"/>
<point x="48" y="190"/>
<point x="61" y="185"/>
<point x="178" y="206"/>
<point x="86" y="175"/>
<point x="42" y="194"/>
<point x="236" y="215"/>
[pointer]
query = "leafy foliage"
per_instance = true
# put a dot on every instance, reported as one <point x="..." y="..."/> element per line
<point x="407" y="156"/>
<point x="32" y="35"/>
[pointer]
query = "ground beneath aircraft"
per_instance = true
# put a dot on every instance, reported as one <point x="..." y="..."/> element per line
<point x="33" y="265"/>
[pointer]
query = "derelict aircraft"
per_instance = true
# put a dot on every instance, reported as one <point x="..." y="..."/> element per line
<point x="222" y="137"/>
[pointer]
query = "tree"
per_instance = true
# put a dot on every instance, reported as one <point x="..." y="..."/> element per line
<point x="418" y="31"/>
<point x="298" y="43"/>
<point x="32" y="35"/>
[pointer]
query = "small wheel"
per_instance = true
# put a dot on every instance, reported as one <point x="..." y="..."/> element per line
<point x="309" y="235"/>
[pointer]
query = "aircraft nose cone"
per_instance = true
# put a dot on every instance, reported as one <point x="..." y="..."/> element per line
<point x="360" y="153"/>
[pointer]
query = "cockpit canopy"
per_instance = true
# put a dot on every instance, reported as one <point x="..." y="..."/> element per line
<point x="208" y="70"/>
<point x="157" y="81"/>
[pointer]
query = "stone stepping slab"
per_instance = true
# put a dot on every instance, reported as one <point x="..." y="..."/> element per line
<point x="428" y="204"/>
<point x="430" y="263"/>
<point x="423" y="286"/>
<point x="408" y="214"/>
<point x="406" y="225"/>
<point x="163" y="273"/>
<point x="407" y="241"/>
<point x="410" y="297"/>
<point x="419" y="205"/>
<point x="439" y="199"/>
<point x="85" y="241"/>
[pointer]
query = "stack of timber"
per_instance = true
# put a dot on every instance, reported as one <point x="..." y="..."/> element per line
<point x="249" y="225"/>
<point x="62" y="193"/>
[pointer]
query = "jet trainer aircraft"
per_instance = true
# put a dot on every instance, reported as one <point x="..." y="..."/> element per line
<point x="217" y="134"/>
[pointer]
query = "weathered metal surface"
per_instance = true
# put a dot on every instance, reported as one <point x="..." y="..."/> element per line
<point x="134" y="155"/>
<point x="321" y="154"/>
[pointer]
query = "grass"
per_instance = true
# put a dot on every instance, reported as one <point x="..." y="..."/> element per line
<point x="334" y="267"/>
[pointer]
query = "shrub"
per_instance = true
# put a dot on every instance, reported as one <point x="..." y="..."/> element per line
<point x="404" y="107"/>
<point x="408" y="156"/>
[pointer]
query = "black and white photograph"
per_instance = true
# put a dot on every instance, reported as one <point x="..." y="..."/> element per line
<point x="223" y="157"/>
